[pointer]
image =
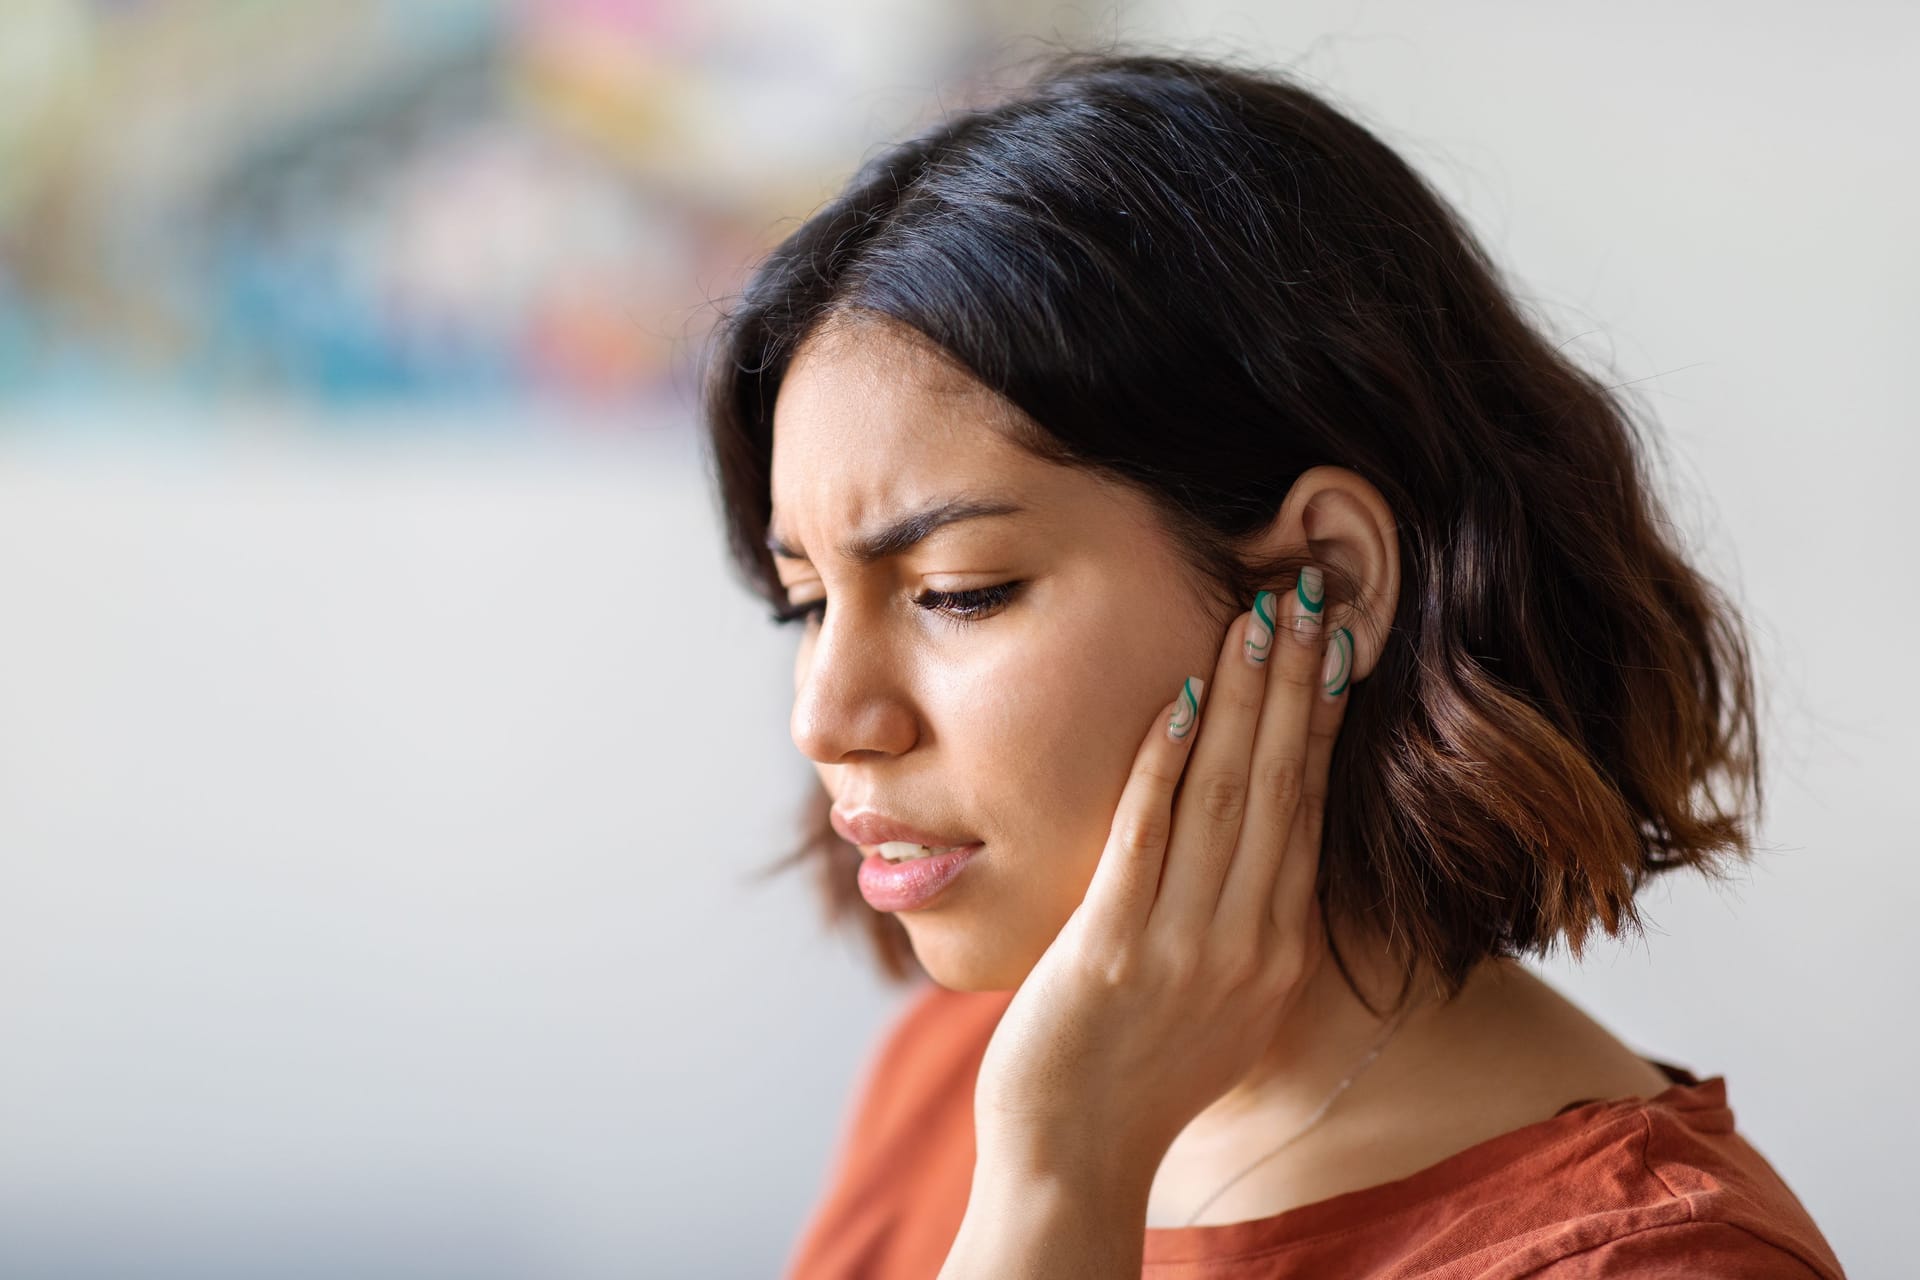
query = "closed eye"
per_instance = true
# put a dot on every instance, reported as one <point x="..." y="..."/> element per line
<point x="959" y="607"/>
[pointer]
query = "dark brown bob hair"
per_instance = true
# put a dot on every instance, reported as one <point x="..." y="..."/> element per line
<point x="1200" y="279"/>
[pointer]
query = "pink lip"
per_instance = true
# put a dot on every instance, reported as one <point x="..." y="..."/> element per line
<point x="905" y="886"/>
<point x="870" y="828"/>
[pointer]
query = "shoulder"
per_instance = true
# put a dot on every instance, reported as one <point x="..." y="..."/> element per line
<point x="1707" y="1201"/>
<point x="1688" y="1249"/>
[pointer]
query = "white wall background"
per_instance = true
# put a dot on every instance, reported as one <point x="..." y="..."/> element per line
<point x="373" y="816"/>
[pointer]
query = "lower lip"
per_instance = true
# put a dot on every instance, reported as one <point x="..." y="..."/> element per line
<point x="906" y="886"/>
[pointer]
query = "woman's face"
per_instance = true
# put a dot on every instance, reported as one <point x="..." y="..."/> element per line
<point x="1017" y="727"/>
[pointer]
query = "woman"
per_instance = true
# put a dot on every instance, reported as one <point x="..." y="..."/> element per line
<point x="1232" y="637"/>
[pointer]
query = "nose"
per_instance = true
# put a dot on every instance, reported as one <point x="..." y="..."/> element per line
<point x="847" y="696"/>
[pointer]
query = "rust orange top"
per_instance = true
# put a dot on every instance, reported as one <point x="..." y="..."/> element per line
<point x="1656" y="1187"/>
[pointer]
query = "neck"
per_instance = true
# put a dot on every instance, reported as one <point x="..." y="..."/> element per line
<point x="1320" y="1042"/>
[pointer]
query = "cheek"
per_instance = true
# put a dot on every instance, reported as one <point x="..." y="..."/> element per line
<point x="1069" y="713"/>
<point x="1044" y="733"/>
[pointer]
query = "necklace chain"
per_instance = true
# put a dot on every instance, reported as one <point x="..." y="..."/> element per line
<point x="1314" y="1119"/>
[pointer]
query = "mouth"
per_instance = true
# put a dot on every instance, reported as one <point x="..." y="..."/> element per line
<point x="914" y="881"/>
<point x="906" y="851"/>
<point x="879" y="834"/>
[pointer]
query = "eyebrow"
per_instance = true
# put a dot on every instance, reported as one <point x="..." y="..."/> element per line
<point x="906" y="531"/>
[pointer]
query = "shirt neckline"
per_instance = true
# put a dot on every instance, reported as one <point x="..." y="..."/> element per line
<point x="1363" y="1207"/>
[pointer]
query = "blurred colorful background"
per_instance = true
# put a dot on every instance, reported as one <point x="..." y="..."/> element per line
<point x="428" y="203"/>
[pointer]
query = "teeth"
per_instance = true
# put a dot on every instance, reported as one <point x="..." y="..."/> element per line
<point x="903" y="851"/>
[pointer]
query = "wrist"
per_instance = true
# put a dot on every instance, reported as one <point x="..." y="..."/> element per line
<point x="1009" y="1155"/>
<point x="1037" y="1218"/>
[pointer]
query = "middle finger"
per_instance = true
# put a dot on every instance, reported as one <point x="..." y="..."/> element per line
<point x="1282" y="757"/>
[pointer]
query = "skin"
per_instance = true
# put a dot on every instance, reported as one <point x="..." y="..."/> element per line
<point x="1020" y="729"/>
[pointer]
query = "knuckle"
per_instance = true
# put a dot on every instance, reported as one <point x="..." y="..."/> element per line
<point x="1141" y="832"/>
<point x="1223" y="797"/>
<point x="1285" y="963"/>
<point x="1302" y="672"/>
<point x="1313" y="811"/>
<point x="1164" y="775"/>
<point x="1283" y="779"/>
<point x="1119" y="968"/>
<point x="1245" y="696"/>
<point x="1238" y="966"/>
<point x="1176" y="960"/>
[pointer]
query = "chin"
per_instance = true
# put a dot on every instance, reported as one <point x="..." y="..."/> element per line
<point x="960" y="960"/>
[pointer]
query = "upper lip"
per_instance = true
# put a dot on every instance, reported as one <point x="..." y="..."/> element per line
<point x="870" y="827"/>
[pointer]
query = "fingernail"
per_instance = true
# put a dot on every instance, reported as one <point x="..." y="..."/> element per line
<point x="1260" y="628"/>
<point x="1338" y="668"/>
<point x="1186" y="712"/>
<point x="1309" y="599"/>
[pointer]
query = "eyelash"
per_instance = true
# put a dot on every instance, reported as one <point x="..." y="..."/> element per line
<point x="973" y="605"/>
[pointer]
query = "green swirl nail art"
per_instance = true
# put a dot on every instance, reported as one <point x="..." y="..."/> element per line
<point x="1339" y="664"/>
<point x="1185" y="713"/>
<point x="1310" y="589"/>
<point x="1260" y="628"/>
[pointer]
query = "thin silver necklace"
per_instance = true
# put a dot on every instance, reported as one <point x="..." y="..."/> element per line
<point x="1314" y="1119"/>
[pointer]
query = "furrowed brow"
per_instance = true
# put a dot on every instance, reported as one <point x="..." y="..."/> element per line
<point x="905" y="532"/>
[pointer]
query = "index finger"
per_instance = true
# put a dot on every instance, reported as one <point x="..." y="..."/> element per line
<point x="1127" y="878"/>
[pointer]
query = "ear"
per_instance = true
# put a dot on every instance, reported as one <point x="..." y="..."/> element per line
<point x="1342" y="520"/>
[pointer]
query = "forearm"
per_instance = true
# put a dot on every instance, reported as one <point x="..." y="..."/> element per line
<point x="1022" y="1224"/>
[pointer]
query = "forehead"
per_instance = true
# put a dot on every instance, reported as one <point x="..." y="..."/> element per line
<point x="871" y="419"/>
